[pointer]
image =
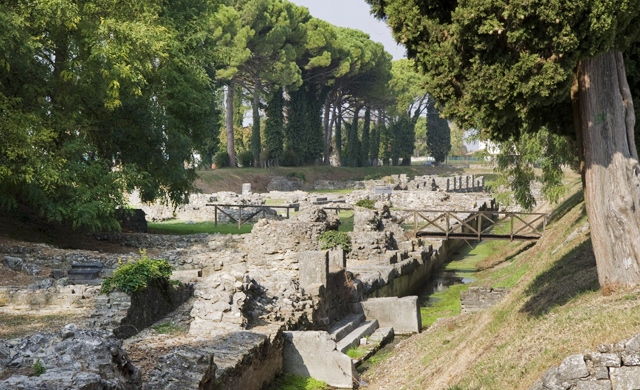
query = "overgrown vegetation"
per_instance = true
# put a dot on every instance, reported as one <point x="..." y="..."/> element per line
<point x="294" y="382"/>
<point x="134" y="276"/>
<point x="332" y="239"/>
<point x="356" y="352"/>
<point x="366" y="203"/>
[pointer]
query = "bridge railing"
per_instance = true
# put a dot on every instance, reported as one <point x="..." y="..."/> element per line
<point x="478" y="225"/>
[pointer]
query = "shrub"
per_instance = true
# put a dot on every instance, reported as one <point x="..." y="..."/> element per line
<point x="38" y="368"/>
<point x="221" y="159"/>
<point x="297" y="175"/>
<point x="131" y="277"/>
<point x="289" y="158"/>
<point x="366" y="203"/>
<point x="245" y="158"/>
<point x="331" y="239"/>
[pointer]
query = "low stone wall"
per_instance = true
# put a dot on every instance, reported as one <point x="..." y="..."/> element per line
<point x="127" y="315"/>
<point x="612" y="367"/>
<point x="58" y="298"/>
<point x="480" y="298"/>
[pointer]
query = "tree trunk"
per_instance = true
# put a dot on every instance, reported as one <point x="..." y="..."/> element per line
<point x="229" y="119"/>
<point x="339" y="136"/>
<point x="255" y="128"/>
<point x="612" y="186"/>
<point x="327" y="130"/>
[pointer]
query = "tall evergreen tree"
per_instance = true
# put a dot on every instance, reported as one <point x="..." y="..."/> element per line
<point x="364" y="146"/>
<point x="274" y="126"/>
<point x="438" y="134"/>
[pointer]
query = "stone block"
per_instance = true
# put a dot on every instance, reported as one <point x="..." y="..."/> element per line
<point x="604" y="359"/>
<point x="313" y="355"/>
<point x="573" y="367"/>
<point x="402" y="314"/>
<point x="593" y="385"/>
<point x="337" y="258"/>
<point x="314" y="268"/>
<point x="624" y="378"/>
<point x="246" y="188"/>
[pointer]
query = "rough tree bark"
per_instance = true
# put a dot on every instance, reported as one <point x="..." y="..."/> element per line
<point x="255" y="128"/>
<point x="612" y="185"/>
<point x="229" y="124"/>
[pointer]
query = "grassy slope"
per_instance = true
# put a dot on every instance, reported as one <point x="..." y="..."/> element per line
<point x="228" y="179"/>
<point x="554" y="309"/>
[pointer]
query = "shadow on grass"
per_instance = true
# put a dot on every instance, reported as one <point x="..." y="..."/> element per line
<point x="575" y="273"/>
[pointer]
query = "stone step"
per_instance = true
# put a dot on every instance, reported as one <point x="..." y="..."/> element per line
<point x="353" y="338"/>
<point x="345" y="326"/>
<point x="379" y="338"/>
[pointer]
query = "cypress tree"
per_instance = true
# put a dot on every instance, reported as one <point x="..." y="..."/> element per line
<point x="274" y="126"/>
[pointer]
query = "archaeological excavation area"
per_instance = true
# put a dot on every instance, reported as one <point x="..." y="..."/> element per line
<point x="248" y="307"/>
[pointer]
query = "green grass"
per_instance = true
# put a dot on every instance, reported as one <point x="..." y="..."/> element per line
<point x="294" y="382"/>
<point x="346" y="221"/>
<point x="167" y="328"/>
<point x="446" y="303"/>
<point x="356" y="352"/>
<point x="174" y="227"/>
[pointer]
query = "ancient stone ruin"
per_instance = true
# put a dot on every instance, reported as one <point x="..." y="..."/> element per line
<point x="250" y="306"/>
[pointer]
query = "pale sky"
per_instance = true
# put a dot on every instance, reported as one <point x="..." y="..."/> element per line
<point x="354" y="14"/>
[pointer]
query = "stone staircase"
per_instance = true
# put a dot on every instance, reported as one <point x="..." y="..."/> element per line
<point x="322" y="355"/>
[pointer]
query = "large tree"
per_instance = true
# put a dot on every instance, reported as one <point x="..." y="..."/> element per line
<point x="438" y="134"/>
<point x="511" y="67"/>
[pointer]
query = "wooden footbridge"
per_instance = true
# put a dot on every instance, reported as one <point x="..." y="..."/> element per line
<point x="441" y="224"/>
<point x="478" y="225"/>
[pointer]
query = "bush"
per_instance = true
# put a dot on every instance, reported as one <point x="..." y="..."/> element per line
<point x="245" y="158"/>
<point x="331" y="239"/>
<point x="131" y="277"/>
<point x="38" y="368"/>
<point x="297" y="175"/>
<point x="366" y="203"/>
<point x="221" y="159"/>
<point x="289" y="158"/>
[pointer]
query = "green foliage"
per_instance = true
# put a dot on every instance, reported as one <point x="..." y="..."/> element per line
<point x="366" y="141"/>
<point x="331" y="239"/>
<point x="245" y="158"/>
<point x="167" y="328"/>
<point x="290" y="158"/>
<point x="274" y="127"/>
<point x="438" y="134"/>
<point x="294" y="382"/>
<point x="517" y="163"/>
<point x="507" y="72"/>
<point x="297" y="175"/>
<point x="131" y="277"/>
<point x="38" y="368"/>
<point x="221" y="159"/>
<point x="366" y="203"/>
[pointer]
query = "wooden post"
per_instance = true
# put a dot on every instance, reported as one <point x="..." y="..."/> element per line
<point x="215" y="214"/>
<point x="479" y="225"/>
<point x="447" y="218"/>
<point x="415" y="222"/>
<point x="288" y="211"/>
<point x="239" y="216"/>
<point x="512" y="227"/>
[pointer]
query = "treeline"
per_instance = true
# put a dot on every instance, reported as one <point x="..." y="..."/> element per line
<point x="98" y="98"/>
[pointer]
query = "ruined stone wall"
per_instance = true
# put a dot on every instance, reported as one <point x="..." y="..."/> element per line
<point x="56" y="297"/>
<point x="613" y="366"/>
<point x="480" y="298"/>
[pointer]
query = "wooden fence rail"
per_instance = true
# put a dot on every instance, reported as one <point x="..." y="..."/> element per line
<point x="224" y="209"/>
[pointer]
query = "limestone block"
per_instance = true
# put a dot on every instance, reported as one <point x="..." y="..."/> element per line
<point x="337" y="258"/>
<point x="631" y="358"/>
<point x="573" y="367"/>
<point x="402" y="314"/>
<point x="593" y="385"/>
<point x="604" y="359"/>
<point x="314" y="267"/>
<point x="313" y="354"/>
<point x="623" y="378"/>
